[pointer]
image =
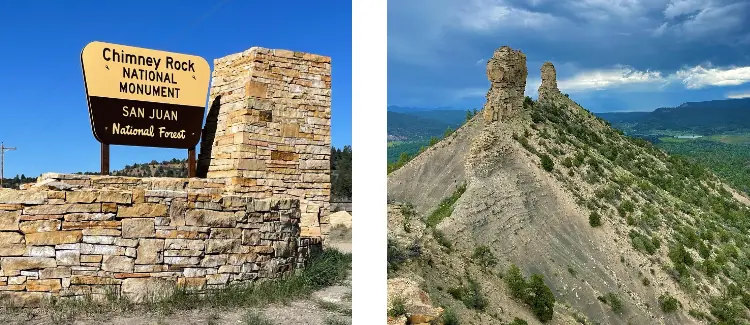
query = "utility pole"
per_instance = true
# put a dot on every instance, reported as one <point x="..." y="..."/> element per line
<point x="3" y="149"/>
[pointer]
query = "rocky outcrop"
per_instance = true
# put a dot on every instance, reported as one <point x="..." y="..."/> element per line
<point x="507" y="73"/>
<point x="416" y="303"/>
<point x="548" y="89"/>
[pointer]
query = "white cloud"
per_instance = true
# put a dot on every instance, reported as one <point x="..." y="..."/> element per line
<point x="481" y="61"/>
<point x="627" y="78"/>
<point x="745" y="94"/>
<point x="699" y="76"/>
<point x="692" y="78"/>
<point x="532" y="87"/>
<point x="601" y="79"/>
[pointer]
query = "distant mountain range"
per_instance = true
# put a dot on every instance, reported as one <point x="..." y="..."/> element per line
<point x="704" y="118"/>
<point x="407" y="124"/>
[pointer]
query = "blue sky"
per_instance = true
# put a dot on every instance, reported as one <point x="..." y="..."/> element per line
<point x="44" y="111"/>
<point x="610" y="55"/>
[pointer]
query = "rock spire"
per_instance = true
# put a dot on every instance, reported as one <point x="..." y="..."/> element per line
<point x="507" y="73"/>
<point x="548" y="89"/>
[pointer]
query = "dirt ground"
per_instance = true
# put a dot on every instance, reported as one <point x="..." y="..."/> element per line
<point x="328" y="306"/>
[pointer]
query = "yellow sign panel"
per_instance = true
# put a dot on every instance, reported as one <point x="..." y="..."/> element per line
<point x="143" y="97"/>
<point x="126" y="72"/>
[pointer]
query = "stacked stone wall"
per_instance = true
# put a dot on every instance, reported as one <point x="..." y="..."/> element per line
<point x="268" y="129"/>
<point x="75" y="236"/>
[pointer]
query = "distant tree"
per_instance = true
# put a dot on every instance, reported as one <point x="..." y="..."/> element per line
<point x="468" y="115"/>
<point x="448" y="132"/>
<point x="528" y="102"/>
<point x="475" y="112"/>
<point x="341" y="184"/>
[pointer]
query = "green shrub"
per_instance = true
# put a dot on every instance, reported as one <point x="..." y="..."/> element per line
<point x="533" y="292"/>
<point x="528" y="102"/>
<point x="547" y="163"/>
<point x="518" y="321"/>
<point x="483" y="255"/>
<point x="448" y="132"/>
<point x="710" y="267"/>
<point x="627" y="206"/>
<point x="680" y="256"/>
<point x="594" y="219"/>
<point x="396" y="256"/>
<point x="450" y="317"/>
<point x="433" y="141"/>
<point x="727" y="310"/>
<point x="473" y="298"/>
<point x="515" y="281"/>
<point x="470" y="295"/>
<point x="643" y="243"/>
<point x="668" y="303"/>
<point x="397" y="308"/>
<point x="408" y="211"/>
<point x="540" y="298"/>
<point x="613" y="300"/>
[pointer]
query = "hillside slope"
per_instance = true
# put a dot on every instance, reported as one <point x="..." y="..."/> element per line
<point x="558" y="192"/>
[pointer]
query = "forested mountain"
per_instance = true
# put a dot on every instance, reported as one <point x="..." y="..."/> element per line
<point x="703" y="118"/>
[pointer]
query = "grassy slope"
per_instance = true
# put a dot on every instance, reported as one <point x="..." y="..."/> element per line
<point x="661" y="199"/>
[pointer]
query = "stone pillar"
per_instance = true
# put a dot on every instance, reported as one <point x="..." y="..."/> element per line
<point x="507" y="73"/>
<point x="268" y="129"/>
<point x="548" y="89"/>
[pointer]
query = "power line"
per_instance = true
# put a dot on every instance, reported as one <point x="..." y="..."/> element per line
<point x="3" y="149"/>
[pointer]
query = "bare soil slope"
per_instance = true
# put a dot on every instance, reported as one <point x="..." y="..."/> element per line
<point x="435" y="173"/>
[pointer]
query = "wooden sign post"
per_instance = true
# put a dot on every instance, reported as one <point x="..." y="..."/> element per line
<point x="143" y="97"/>
<point x="191" y="162"/>
<point x="105" y="159"/>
